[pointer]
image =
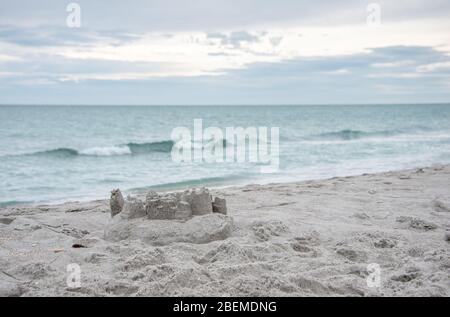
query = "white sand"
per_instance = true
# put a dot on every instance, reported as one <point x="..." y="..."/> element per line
<point x="304" y="239"/>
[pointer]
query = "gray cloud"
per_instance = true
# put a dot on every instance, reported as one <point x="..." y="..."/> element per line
<point x="58" y="36"/>
<point x="159" y="15"/>
<point x="235" y="39"/>
<point x="339" y="79"/>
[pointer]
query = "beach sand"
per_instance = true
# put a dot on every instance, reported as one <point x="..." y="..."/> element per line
<point x="314" y="238"/>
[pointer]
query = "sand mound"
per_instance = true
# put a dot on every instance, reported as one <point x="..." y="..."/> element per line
<point x="201" y="229"/>
<point x="441" y="206"/>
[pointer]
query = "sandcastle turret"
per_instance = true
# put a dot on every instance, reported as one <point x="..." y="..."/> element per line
<point x="116" y="202"/>
<point x="219" y="205"/>
<point x="200" y="201"/>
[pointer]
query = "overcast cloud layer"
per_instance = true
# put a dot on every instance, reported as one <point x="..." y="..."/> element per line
<point x="224" y="52"/>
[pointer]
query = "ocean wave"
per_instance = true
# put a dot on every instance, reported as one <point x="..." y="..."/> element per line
<point x="346" y="135"/>
<point x="210" y="181"/>
<point x="59" y="152"/>
<point x="131" y="148"/>
<point x="126" y="149"/>
<point x="106" y="151"/>
<point x="143" y="148"/>
<point x="4" y="204"/>
<point x="95" y="151"/>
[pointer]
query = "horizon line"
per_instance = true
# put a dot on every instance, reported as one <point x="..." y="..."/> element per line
<point x="226" y="105"/>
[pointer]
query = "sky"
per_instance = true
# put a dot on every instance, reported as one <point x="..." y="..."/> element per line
<point x="221" y="52"/>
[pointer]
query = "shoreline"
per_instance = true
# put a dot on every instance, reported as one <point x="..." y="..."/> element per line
<point x="313" y="238"/>
<point x="162" y="188"/>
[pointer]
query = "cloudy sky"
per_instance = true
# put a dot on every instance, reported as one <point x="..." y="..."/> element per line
<point x="225" y="52"/>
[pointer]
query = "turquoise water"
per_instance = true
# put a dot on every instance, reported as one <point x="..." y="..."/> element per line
<point x="50" y="154"/>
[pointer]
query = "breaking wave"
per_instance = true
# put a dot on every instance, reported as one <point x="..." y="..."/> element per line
<point x="354" y="134"/>
<point x="127" y="149"/>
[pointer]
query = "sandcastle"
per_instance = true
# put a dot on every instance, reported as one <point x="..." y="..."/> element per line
<point x="190" y="216"/>
<point x="169" y="206"/>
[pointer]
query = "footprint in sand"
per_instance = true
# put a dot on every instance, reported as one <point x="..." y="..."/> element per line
<point x="447" y="236"/>
<point x="361" y="215"/>
<point x="304" y="250"/>
<point x="385" y="244"/>
<point x="265" y="230"/>
<point x="441" y="206"/>
<point x="352" y="255"/>
<point x="7" y="221"/>
<point x="305" y="245"/>
<point x="406" y="277"/>
<point x="416" y="223"/>
<point x="416" y="252"/>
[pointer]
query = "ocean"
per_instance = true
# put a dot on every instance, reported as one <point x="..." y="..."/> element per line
<point x="50" y="154"/>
